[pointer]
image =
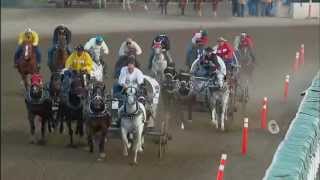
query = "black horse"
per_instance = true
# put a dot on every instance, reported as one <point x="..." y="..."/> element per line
<point x="72" y="107"/>
<point x="97" y="118"/>
<point x="39" y="110"/>
<point x="54" y="87"/>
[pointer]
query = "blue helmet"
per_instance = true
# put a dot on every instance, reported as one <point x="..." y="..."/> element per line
<point x="99" y="39"/>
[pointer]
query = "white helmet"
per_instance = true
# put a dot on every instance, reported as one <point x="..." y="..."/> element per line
<point x="243" y="34"/>
<point x="28" y="30"/>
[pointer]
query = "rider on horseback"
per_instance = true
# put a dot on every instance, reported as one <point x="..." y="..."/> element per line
<point x="78" y="62"/>
<point x="94" y="47"/>
<point x="58" y="31"/>
<point x="226" y="52"/>
<point x="199" y="41"/>
<point x="32" y="37"/>
<point x="127" y="45"/>
<point x="208" y="65"/>
<point x="163" y="39"/>
<point x="246" y="41"/>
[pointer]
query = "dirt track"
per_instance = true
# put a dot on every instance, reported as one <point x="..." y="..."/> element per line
<point x="193" y="153"/>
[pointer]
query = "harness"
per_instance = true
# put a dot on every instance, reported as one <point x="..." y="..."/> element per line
<point x="131" y="115"/>
<point x="72" y="106"/>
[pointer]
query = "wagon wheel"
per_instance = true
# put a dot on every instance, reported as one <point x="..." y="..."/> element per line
<point x="163" y="137"/>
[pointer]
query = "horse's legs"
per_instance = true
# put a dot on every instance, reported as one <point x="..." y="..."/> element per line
<point x="125" y="142"/>
<point x="191" y="101"/>
<point x="43" y="130"/>
<point x="225" y="98"/>
<point x="32" y="127"/>
<point x="101" y="143"/>
<point x="90" y="141"/>
<point x="70" y="132"/>
<point x="137" y="143"/>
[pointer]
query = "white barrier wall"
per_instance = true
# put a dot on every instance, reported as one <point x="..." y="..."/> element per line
<point x="301" y="10"/>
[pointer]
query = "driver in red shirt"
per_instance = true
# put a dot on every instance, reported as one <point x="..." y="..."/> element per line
<point x="226" y="52"/>
<point x="247" y="42"/>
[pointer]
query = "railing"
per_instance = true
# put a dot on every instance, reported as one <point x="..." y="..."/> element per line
<point x="298" y="155"/>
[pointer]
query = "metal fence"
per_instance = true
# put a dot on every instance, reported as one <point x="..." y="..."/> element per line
<point x="298" y="155"/>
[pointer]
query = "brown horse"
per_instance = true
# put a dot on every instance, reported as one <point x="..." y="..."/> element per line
<point x="27" y="63"/>
<point x="97" y="118"/>
<point x="60" y="54"/>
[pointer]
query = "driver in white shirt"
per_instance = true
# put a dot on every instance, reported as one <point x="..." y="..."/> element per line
<point x="130" y="75"/>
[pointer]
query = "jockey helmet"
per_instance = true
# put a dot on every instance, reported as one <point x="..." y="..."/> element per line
<point x="221" y="39"/>
<point x="36" y="80"/>
<point x="80" y="48"/>
<point x="99" y="39"/>
<point x="28" y="31"/>
<point x="243" y="34"/>
<point x="204" y="32"/>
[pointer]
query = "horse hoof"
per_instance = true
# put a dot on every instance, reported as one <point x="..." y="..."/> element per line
<point x="42" y="142"/>
<point x="129" y="145"/>
<point x="100" y="159"/>
<point x="133" y="163"/>
<point x="102" y="155"/>
<point x="72" y="146"/>
<point x="140" y="150"/>
<point x="125" y="154"/>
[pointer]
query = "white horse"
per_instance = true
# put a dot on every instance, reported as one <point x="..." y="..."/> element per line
<point x="133" y="116"/>
<point x="218" y="103"/>
<point x="159" y="63"/>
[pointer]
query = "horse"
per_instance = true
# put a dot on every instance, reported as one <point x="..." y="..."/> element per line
<point x="39" y="110"/>
<point x="72" y="107"/>
<point x="133" y="116"/>
<point x="246" y="61"/>
<point x="218" y="101"/>
<point x="27" y="63"/>
<point x="97" y="118"/>
<point x="159" y="64"/>
<point x="54" y="87"/>
<point x="60" y="54"/>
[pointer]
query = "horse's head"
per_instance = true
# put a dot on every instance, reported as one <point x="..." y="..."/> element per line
<point x="62" y="40"/>
<point x="36" y="92"/>
<point x="77" y="88"/>
<point x="169" y="81"/>
<point x="131" y="95"/>
<point x="157" y="47"/>
<point x="55" y="82"/>
<point x="27" y="50"/>
<point x="97" y="103"/>
<point x="184" y="83"/>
